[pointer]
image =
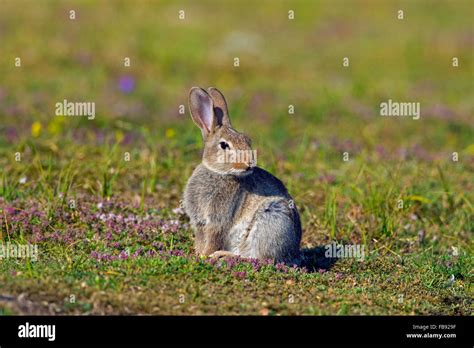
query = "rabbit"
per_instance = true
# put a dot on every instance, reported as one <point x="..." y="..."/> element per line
<point x="235" y="207"/>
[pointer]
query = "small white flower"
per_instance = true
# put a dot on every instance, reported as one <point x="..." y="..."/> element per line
<point x="22" y="180"/>
<point x="100" y="205"/>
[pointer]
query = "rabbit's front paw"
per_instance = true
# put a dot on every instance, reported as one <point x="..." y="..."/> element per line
<point x="221" y="253"/>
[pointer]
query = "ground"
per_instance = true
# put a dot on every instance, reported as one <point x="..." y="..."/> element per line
<point x="100" y="198"/>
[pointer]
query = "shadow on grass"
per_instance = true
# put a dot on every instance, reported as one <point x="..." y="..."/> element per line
<point x="314" y="259"/>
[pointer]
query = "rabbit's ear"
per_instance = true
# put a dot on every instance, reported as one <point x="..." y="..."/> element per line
<point x="220" y="107"/>
<point x="202" y="110"/>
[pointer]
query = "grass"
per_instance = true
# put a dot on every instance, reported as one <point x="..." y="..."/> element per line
<point x="100" y="198"/>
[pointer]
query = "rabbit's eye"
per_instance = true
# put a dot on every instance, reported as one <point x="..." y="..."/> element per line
<point x="224" y="145"/>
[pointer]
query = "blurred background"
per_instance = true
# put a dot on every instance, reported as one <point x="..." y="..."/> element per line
<point x="282" y="62"/>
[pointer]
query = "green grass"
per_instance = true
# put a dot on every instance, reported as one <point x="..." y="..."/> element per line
<point x="400" y="194"/>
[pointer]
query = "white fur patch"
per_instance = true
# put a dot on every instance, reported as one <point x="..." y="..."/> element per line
<point x="236" y="234"/>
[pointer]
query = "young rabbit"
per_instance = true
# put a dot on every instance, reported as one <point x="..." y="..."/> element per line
<point x="236" y="208"/>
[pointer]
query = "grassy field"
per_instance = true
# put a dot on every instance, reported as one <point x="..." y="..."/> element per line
<point x="100" y="198"/>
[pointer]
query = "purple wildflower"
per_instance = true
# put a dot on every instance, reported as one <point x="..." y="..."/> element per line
<point x="211" y="261"/>
<point x="137" y="252"/>
<point x="281" y="267"/>
<point x="176" y="252"/>
<point x="240" y="275"/>
<point x="126" y="84"/>
<point x="123" y="255"/>
<point x="11" y="135"/>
